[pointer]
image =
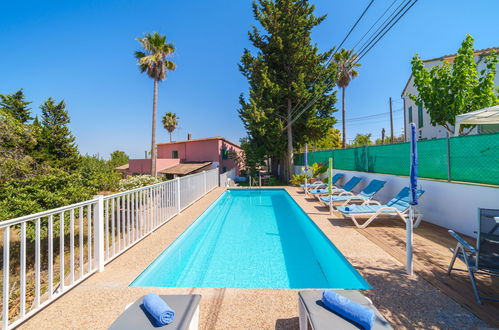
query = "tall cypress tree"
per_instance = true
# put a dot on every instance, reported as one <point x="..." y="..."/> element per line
<point x="57" y="143"/>
<point x="16" y="105"/>
<point x="284" y="74"/>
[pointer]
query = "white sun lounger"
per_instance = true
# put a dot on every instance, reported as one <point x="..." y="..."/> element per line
<point x="397" y="206"/>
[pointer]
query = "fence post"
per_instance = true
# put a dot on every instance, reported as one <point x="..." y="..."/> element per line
<point x="99" y="232"/>
<point x="178" y="195"/>
<point x="204" y="177"/>
<point x="448" y="158"/>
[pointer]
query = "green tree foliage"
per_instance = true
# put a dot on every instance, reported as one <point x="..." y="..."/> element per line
<point x="362" y="140"/>
<point x="385" y="141"/>
<point x="16" y="141"/>
<point x="16" y="105"/>
<point x="40" y="167"/>
<point x="345" y="60"/>
<point x="98" y="173"/>
<point x="46" y="191"/>
<point x="252" y="158"/>
<point x="448" y="90"/>
<point x="285" y="69"/>
<point x="153" y="60"/>
<point x="330" y="140"/>
<point x="118" y="158"/>
<point x="170" y="122"/>
<point x="58" y="143"/>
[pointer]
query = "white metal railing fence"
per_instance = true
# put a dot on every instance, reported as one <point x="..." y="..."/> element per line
<point x="224" y="176"/>
<point x="47" y="253"/>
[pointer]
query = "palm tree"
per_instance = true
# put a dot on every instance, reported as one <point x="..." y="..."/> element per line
<point x="170" y="122"/>
<point x="153" y="60"/>
<point x="344" y="60"/>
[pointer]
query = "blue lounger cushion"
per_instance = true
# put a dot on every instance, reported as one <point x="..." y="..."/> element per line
<point x="159" y="309"/>
<point x="325" y="191"/>
<point x="349" y="309"/>
<point x="358" y="209"/>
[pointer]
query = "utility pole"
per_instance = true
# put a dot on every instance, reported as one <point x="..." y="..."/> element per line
<point x="391" y="121"/>
<point x="383" y="136"/>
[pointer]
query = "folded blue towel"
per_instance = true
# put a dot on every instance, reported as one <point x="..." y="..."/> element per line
<point x="158" y="309"/>
<point x="351" y="310"/>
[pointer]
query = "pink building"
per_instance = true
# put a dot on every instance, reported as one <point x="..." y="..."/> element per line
<point x="187" y="157"/>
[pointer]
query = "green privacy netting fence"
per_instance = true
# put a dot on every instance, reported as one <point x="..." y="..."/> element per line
<point x="472" y="158"/>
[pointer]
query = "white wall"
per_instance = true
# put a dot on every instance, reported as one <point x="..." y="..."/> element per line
<point x="450" y="205"/>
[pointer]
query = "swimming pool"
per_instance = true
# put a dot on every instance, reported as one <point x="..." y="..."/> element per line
<point x="252" y="238"/>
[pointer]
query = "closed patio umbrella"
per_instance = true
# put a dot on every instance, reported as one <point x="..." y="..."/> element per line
<point x="413" y="197"/>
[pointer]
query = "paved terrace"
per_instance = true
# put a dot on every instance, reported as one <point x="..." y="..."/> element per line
<point x="406" y="301"/>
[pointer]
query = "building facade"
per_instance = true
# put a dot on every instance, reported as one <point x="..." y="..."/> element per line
<point x="419" y="115"/>
<point x="188" y="157"/>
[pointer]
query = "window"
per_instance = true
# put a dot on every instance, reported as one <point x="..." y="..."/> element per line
<point x="225" y="154"/>
<point x="174" y="154"/>
<point x="420" y="117"/>
<point x="410" y="115"/>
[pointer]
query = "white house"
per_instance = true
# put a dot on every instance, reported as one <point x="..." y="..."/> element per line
<point x="418" y="115"/>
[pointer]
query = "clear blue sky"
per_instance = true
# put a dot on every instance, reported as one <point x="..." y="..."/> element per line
<point x="82" y="52"/>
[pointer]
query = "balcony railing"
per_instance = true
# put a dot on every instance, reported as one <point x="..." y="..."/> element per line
<point x="48" y="253"/>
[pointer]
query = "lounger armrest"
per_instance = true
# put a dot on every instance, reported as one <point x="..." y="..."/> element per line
<point x="461" y="241"/>
<point x="357" y="198"/>
<point x="388" y="208"/>
<point x="371" y="202"/>
<point x="346" y="193"/>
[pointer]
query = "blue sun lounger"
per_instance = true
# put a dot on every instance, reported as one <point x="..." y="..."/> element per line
<point x="352" y="183"/>
<point x="320" y="184"/>
<point x="397" y="206"/>
<point x="349" y="197"/>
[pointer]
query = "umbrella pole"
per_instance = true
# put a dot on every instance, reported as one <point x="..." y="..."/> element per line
<point x="306" y="190"/>
<point x="408" y="239"/>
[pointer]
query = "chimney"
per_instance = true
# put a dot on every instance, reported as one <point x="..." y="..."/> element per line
<point x="189" y="136"/>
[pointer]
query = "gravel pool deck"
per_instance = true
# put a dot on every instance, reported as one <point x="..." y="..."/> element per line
<point x="406" y="301"/>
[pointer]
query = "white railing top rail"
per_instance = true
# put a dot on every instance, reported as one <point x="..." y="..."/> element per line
<point x="136" y="190"/>
<point x="18" y="220"/>
<point x="15" y="221"/>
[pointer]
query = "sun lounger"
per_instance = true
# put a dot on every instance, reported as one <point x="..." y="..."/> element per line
<point x="348" y="197"/>
<point x="314" y="315"/>
<point x="397" y="206"/>
<point x="323" y="185"/>
<point x="352" y="183"/>
<point x="484" y="257"/>
<point x="316" y="184"/>
<point x="186" y="309"/>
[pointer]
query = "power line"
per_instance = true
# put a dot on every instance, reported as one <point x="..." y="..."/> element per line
<point x="375" y="115"/>
<point x="372" y="26"/>
<point x="365" y="51"/>
<point x="335" y="51"/>
<point x="399" y="17"/>
<point x="357" y="22"/>
<point x="383" y="25"/>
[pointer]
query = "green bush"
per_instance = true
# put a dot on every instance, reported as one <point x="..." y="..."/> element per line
<point x="298" y="179"/>
<point x="98" y="173"/>
<point x="47" y="191"/>
<point x="137" y="181"/>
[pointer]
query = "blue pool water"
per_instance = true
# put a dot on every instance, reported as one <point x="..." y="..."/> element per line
<point x="252" y="238"/>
